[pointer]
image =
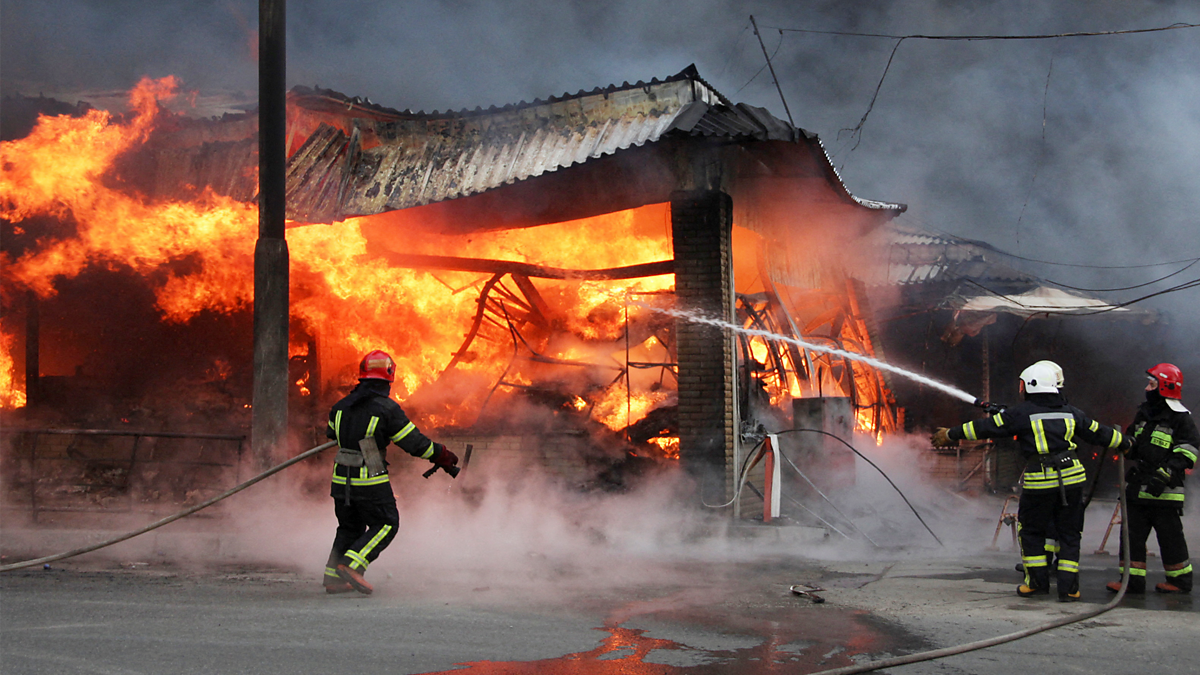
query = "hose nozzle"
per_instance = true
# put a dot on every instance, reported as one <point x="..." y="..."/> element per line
<point x="989" y="407"/>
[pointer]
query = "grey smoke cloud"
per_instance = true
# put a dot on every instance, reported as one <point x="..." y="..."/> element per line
<point x="1075" y="149"/>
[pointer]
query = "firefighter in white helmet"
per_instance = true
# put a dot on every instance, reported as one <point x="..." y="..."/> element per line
<point x="1046" y="429"/>
<point x="1165" y="442"/>
<point x="364" y="423"/>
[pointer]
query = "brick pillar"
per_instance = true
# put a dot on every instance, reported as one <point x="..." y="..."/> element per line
<point x="701" y="232"/>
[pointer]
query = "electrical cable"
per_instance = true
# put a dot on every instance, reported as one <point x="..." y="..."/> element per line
<point x="742" y="475"/>
<point x="986" y="37"/>
<point x="827" y="499"/>
<point x="962" y="241"/>
<point x="885" y="476"/>
<point x="1010" y="637"/>
<point x="169" y="519"/>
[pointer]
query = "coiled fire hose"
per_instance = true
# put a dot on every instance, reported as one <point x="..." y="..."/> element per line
<point x="170" y="519"/>
<point x="1010" y="637"/>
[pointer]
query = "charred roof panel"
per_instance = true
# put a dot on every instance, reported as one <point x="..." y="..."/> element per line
<point x="361" y="159"/>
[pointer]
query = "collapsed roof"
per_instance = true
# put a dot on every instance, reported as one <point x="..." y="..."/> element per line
<point x="941" y="271"/>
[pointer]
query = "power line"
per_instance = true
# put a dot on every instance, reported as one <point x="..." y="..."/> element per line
<point x="1123" y="288"/>
<point x="960" y="241"/>
<point x="921" y="36"/>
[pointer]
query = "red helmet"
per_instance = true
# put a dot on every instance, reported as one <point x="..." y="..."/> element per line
<point x="377" y="365"/>
<point x="1169" y="379"/>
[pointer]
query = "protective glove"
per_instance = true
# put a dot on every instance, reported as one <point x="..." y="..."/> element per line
<point x="1126" y="445"/>
<point x="443" y="457"/>
<point x="941" y="438"/>
<point x="1158" y="481"/>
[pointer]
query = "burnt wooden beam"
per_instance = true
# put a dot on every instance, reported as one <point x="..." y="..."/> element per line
<point x="502" y="267"/>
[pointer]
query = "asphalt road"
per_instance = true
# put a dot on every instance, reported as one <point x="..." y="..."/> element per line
<point x="686" y="615"/>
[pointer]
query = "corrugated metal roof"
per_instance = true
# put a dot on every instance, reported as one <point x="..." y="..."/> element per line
<point x="362" y="159"/>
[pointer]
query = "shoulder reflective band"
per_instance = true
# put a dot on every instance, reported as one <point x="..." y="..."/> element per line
<point x="408" y="429"/>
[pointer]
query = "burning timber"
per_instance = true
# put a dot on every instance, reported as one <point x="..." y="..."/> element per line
<point x="504" y="255"/>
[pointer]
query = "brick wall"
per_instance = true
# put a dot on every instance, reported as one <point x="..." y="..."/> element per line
<point x="701" y="229"/>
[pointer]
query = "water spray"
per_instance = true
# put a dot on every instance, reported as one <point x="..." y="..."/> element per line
<point x="876" y="363"/>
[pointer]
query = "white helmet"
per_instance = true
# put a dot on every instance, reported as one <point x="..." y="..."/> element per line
<point x="1041" y="378"/>
<point x="1059" y="381"/>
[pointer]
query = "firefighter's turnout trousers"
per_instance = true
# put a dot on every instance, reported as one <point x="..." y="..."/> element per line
<point x="367" y="520"/>
<point x="1167" y="523"/>
<point x="1039" y="509"/>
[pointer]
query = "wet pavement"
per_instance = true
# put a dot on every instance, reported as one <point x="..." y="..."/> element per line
<point x="701" y="606"/>
<point x="684" y="616"/>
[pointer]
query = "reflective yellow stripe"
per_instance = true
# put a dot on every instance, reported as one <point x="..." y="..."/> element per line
<point x="408" y="429"/>
<point x="1187" y="451"/>
<point x="383" y="532"/>
<point x="361" y="479"/>
<point x="1034" y="560"/>
<point x="1070" y="434"/>
<point x="1179" y="572"/>
<point x="1068" y="566"/>
<point x="1167" y="495"/>
<point x="331" y="572"/>
<point x="998" y="420"/>
<point x="1048" y="478"/>
<point x="1116" y="439"/>
<point x="968" y="430"/>
<point x="1135" y="572"/>
<point x="1160" y="439"/>
<point x="337" y="426"/>
<point x="429" y="452"/>
<point x="1039" y="437"/>
<point x="371" y="426"/>
<point x="1094" y="426"/>
<point x="356" y="561"/>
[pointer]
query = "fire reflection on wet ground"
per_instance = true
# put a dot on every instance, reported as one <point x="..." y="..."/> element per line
<point x="807" y="642"/>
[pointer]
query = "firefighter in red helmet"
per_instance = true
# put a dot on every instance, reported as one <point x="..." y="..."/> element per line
<point x="363" y="423"/>
<point x="1165" y="442"/>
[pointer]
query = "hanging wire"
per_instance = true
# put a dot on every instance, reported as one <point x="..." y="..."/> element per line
<point x="876" y="467"/>
<point x="920" y="36"/>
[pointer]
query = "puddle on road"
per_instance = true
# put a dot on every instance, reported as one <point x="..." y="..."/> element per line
<point x="829" y="639"/>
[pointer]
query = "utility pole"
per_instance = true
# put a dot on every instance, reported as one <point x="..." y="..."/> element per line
<point x="270" y="402"/>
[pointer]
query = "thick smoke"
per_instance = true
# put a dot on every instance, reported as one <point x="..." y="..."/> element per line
<point x="1079" y="150"/>
<point x="1070" y="149"/>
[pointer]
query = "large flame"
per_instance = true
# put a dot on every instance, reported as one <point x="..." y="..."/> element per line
<point x="198" y="257"/>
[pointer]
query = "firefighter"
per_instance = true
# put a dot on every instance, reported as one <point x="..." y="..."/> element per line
<point x="363" y="423"/>
<point x="1164" y="447"/>
<point x="1046" y="429"/>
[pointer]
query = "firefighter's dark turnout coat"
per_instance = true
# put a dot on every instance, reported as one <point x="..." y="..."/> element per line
<point x="1047" y="429"/>
<point x="364" y="503"/>
<point x="1165" y="443"/>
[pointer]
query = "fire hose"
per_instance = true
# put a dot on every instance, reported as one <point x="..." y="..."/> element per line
<point x="170" y="519"/>
<point x="1010" y="637"/>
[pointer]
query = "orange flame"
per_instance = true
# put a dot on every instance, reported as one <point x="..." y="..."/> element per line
<point x="339" y="291"/>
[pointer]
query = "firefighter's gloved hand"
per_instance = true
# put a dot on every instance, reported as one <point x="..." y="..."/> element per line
<point x="941" y="438"/>
<point x="1158" y="482"/>
<point x="442" y="456"/>
<point x="1126" y="445"/>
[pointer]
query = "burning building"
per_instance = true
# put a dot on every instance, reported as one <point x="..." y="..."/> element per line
<point x="535" y="269"/>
